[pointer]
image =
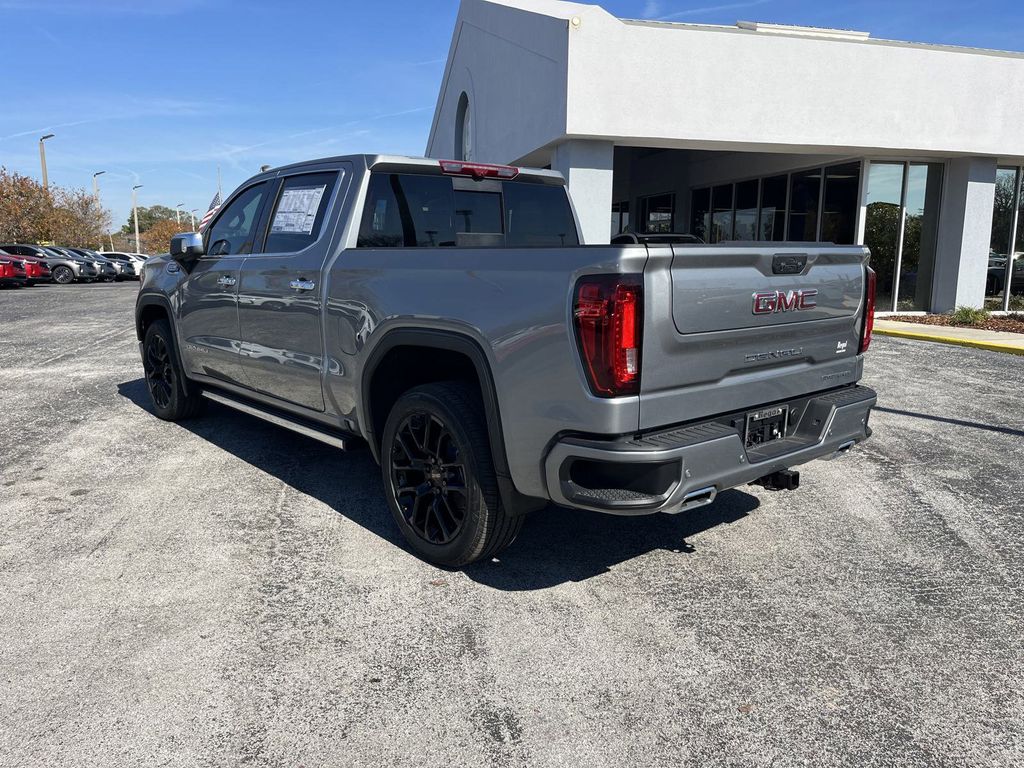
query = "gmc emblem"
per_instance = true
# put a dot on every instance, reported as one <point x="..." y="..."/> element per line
<point x="784" y="301"/>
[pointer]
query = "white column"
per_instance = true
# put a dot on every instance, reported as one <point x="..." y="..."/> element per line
<point x="965" y="229"/>
<point x="587" y="167"/>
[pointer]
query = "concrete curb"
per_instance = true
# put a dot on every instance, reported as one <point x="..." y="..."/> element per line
<point x="991" y="346"/>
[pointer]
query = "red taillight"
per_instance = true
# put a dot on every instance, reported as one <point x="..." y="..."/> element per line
<point x="6" y="269"/>
<point x="869" y="312"/>
<point x="478" y="170"/>
<point x="608" y="314"/>
<point x="32" y="269"/>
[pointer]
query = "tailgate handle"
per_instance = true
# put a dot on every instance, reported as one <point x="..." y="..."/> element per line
<point x="789" y="264"/>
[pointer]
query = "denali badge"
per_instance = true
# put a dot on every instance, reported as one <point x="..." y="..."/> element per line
<point x="784" y="301"/>
<point x="775" y="354"/>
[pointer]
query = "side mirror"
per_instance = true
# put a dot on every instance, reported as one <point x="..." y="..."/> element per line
<point x="187" y="247"/>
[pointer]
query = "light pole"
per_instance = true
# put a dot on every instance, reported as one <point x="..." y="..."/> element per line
<point x="192" y="213"/>
<point x="42" y="158"/>
<point x="96" y="185"/>
<point x="96" y="196"/>
<point x="135" y="215"/>
<point x="177" y="213"/>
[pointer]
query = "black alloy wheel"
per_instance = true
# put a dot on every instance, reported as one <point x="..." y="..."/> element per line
<point x="159" y="371"/>
<point x="429" y="478"/>
<point x="439" y="475"/>
<point x="172" y="400"/>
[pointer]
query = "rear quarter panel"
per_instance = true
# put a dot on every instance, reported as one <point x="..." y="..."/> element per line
<point x="514" y="303"/>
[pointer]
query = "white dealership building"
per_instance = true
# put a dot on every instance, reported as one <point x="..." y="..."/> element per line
<point x="755" y="132"/>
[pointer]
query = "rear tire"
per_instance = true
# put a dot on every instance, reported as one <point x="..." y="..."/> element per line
<point x="63" y="275"/>
<point x="164" y="377"/>
<point x="439" y="476"/>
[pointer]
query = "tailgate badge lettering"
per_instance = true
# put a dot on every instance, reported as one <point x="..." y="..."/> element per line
<point x="841" y="347"/>
<point x="785" y="301"/>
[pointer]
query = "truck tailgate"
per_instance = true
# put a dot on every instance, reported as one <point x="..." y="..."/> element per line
<point x="735" y="326"/>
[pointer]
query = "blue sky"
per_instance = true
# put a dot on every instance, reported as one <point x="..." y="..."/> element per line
<point x="161" y="92"/>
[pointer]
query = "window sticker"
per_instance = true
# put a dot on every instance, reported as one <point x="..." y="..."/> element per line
<point x="296" y="212"/>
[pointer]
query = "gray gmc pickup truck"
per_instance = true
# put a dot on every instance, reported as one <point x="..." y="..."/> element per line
<point x="446" y="314"/>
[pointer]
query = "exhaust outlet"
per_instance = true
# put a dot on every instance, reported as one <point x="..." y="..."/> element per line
<point x="698" y="498"/>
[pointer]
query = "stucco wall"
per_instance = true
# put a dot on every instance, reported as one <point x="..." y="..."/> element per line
<point x="706" y="86"/>
<point x="513" y="67"/>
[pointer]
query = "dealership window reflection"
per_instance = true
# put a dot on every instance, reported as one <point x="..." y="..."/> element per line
<point x="1004" y="280"/>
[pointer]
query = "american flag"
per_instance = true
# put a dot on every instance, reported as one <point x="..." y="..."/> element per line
<point x="214" y="205"/>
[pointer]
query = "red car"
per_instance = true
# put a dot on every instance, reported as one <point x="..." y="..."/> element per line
<point x="36" y="270"/>
<point x="28" y="270"/>
<point x="11" y="272"/>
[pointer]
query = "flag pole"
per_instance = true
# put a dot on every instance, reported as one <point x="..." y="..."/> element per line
<point x="219" y="190"/>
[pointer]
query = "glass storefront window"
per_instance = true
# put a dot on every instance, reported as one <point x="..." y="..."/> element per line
<point x="901" y="230"/>
<point x="700" y="213"/>
<point x="839" y="213"/>
<point x="803" y="206"/>
<point x="746" y="211"/>
<point x="620" y="218"/>
<point x="658" y="213"/>
<point x="1000" y="248"/>
<point x="920" y="229"/>
<point x="882" y="226"/>
<point x="721" y="214"/>
<point x="772" y="224"/>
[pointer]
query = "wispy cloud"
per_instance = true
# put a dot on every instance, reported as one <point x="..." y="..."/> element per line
<point x="712" y="9"/>
<point x="652" y="9"/>
<point x="156" y="107"/>
<point x="109" y="7"/>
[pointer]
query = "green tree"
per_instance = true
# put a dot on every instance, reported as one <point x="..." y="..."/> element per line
<point x="148" y="217"/>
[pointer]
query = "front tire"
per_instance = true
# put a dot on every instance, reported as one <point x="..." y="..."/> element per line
<point x="439" y="476"/>
<point x="164" y="377"/>
<point x="62" y="275"/>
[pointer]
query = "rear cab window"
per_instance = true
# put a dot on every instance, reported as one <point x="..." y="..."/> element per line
<point x="410" y="210"/>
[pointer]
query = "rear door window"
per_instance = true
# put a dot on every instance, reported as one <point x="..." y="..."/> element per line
<point x="299" y="213"/>
<point x="421" y="211"/>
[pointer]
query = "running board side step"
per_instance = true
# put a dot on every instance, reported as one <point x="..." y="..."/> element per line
<point x="281" y="419"/>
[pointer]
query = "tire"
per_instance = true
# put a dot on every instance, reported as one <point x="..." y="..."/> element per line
<point x="164" y="377"/>
<point x="439" y="476"/>
<point x="62" y="275"/>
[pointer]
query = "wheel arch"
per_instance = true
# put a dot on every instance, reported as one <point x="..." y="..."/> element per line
<point x="458" y="355"/>
<point x="152" y="307"/>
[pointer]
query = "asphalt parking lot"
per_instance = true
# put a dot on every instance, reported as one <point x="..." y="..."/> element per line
<point x="226" y="593"/>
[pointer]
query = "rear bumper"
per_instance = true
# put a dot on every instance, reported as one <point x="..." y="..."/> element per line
<point x="680" y="469"/>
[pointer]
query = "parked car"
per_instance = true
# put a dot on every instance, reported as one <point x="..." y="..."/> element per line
<point x="996" y="278"/>
<point x="443" y="313"/>
<point x="109" y="271"/>
<point x="35" y="268"/>
<point x="64" y="267"/>
<point x="131" y="266"/>
<point x="12" y="275"/>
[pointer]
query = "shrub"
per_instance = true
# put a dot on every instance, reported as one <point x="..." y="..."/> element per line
<point x="968" y="316"/>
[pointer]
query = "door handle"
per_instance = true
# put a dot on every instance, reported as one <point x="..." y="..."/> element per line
<point x="226" y="281"/>
<point x="302" y="285"/>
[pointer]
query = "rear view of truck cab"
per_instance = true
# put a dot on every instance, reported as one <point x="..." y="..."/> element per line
<point x="744" y="359"/>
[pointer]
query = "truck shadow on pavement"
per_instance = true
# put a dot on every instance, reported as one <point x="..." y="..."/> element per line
<point x="556" y="546"/>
